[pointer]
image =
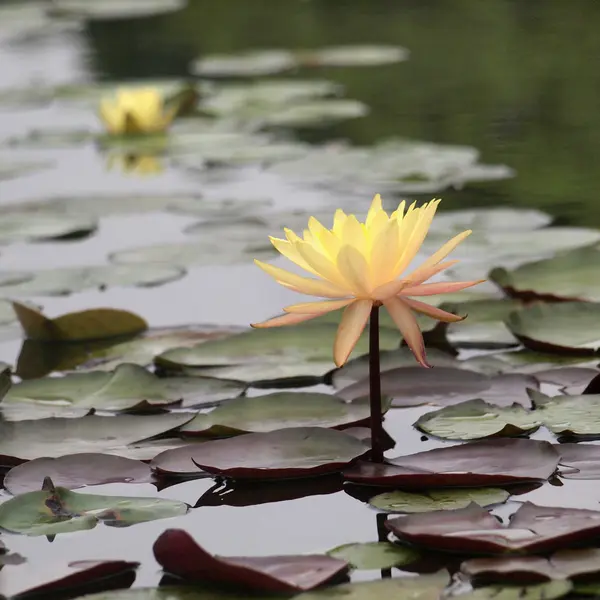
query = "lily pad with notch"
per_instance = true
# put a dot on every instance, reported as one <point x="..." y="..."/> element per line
<point x="473" y="530"/>
<point x="375" y="555"/>
<point x="177" y="552"/>
<point x="56" y="510"/>
<point x="565" y="327"/>
<point x="280" y="410"/>
<point x="283" y="453"/>
<point x="432" y="500"/>
<point x="74" y="471"/>
<point x="476" y="419"/>
<point x="485" y="463"/>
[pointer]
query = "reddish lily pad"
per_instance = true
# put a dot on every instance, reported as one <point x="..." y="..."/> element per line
<point x="573" y="380"/>
<point x="177" y="552"/>
<point x="413" y="386"/>
<point x="75" y="471"/>
<point x="478" y="464"/>
<point x="580" y="461"/>
<point x="473" y="530"/>
<point x="565" y="327"/>
<point x="71" y="580"/>
<point x="283" y="453"/>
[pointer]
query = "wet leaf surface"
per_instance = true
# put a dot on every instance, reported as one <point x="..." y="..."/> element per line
<point x="277" y="411"/>
<point x="477" y="464"/>
<point x="375" y="555"/>
<point x="177" y="552"/>
<point x="284" y="453"/>
<point x="577" y="416"/>
<point x="406" y="502"/>
<point x="75" y="471"/>
<point x="473" y="530"/>
<point x="476" y="419"/>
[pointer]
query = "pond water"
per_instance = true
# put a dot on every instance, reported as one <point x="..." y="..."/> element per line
<point x="517" y="81"/>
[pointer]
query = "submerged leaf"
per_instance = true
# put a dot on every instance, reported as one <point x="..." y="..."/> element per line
<point x="375" y="555"/>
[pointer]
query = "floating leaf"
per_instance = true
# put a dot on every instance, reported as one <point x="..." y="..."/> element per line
<point x="414" y="386"/>
<point x="253" y="63"/>
<point x="569" y="415"/>
<point x="542" y="591"/>
<point x="128" y="387"/>
<point x="26" y="440"/>
<point x="532" y="529"/>
<point x="84" y="325"/>
<point x="277" y="411"/>
<point x="284" y="453"/>
<point x="476" y="419"/>
<point x="75" y="471"/>
<point x="581" y="461"/>
<point x="490" y="219"/>
<point x="58" y="510"/>
<point x="57" y="282"/>
<point x="571" y="327"/>
<point x="478" y="464"/>
<point x="177" y="552"/>
<point x="375" y="555"/>
<point x="316" y="113"/>
<point x="13" y="170"/>
<point x="42" y="226"/>
<point x="114" y="9"/>
<point x="406" y="502"/>
<point x="568" y="276"/>
<point x="353" y="56"/>
<point x="574" y="380"/>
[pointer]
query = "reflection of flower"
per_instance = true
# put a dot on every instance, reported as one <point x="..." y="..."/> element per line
<point x="362" y="265"/>
<point x="136" y="111"/>
<point x="138" y="164"/>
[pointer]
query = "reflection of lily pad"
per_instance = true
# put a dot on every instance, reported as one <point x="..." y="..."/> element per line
<point x="58" y="282"/>
<point x="59" y="510"/>
<point x="353" y="56"/>
<point x="568" y="327"/>
<point x="407" y="502"/>
<point x="375" y="555"/>
<point x="113" y="9"/>
<point x="277" y="411"/>
<point x="475" y="419"/>
<point x="128" y="387"/>
<point x="253" y="63"/>
<point x="569" y="276"/>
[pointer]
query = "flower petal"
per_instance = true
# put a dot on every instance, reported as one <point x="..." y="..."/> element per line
<point x="406" y="322"/>
<point x="304" y="285"/>
<point x="387" y="290"/>
<point x="384" y="253"/>
<point x="351" y="326"/>
<point x="433" y="311"/>
<point x="420" y="275"/>
<point x="320" y="264"/>
<point x="355" y="270"/>
<point x="441" y="287"/>
<point x="112" y="116"/>
<point x="281" y="320"/>
<point x="375" y="209"/>
<point x="290" y="251"/>
<point x="318" y="308"/>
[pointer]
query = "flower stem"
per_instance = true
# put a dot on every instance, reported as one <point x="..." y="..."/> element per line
<point x="375" y="387"/>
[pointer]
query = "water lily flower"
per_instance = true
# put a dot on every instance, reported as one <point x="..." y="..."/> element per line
<point x="358" y="266"/>
<point x="136" y="111"/>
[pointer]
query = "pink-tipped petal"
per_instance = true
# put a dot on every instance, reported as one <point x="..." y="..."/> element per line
<point x="406" y="322"/>
<point x="433" y="311"/>
<point x="351" y="326"/>
<point x="421" y="274"/>
<point x="392" y="288"/>
<point x="442" y="287"/>
<point x="319" y="308"/>
<point x="282" y="320"/>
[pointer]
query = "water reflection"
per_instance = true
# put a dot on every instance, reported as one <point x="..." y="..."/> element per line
<point x="135" y="164"/>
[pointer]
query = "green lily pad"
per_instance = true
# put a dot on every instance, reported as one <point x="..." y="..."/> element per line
<point x="128" y="387"/>
<point x="317" y="113"/>
<point x="64" y="281"/>
<point x="450" y="499"/>
<point x="14" y="170"/>
<point x="476" y="419"/>
<point x="568" y="276"/>
<point x="14" y="228"/>
<point x="59" y="510"/>
<point x="375" y="555"/>
<point x="569" y="415"/>
<point x="84" y="325"/>
<point x="26" y="440"/>
<point x="353" y="56"/>
<point x="51" y="138"/>
<point x="253" y="63"/>
<point x="489" y="219"/>
<point x="277" y="411"/>
<point x="567" y="327"/>
<point x="113" y="9"/>
<point x="542" y="591"/>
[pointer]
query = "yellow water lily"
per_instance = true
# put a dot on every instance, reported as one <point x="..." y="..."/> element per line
<point x="135" y="111"/>
<point x="362" y="265"/>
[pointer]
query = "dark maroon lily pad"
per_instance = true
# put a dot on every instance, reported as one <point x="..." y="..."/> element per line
<point x="593" y="386"/>
<point x="573" y="380"/>
<point x="473" y="530"/>
<point x="68" y="580"/>
<point x="485" y="463"/>
<point x="177" y="552"/>
<point x="579" y="461"/>
<point x="444" y="386"/>
<point x="579" y="564"/>
<point x="284" y="453"/>
<point x="76" y="470"/>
